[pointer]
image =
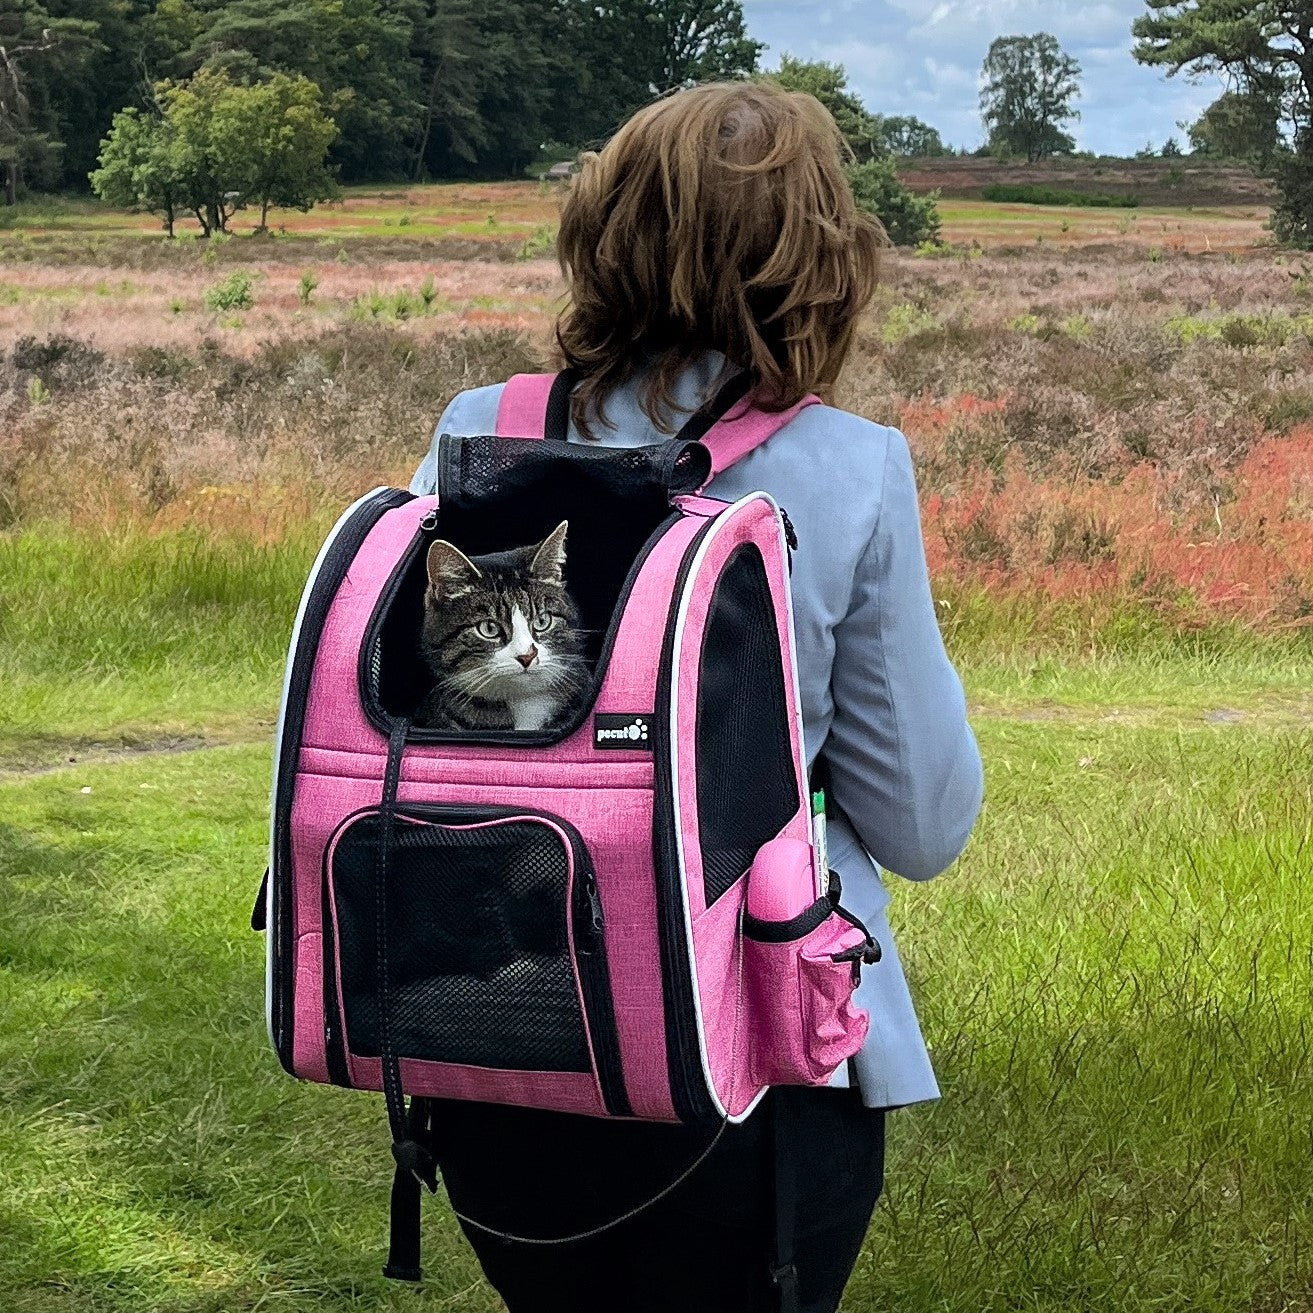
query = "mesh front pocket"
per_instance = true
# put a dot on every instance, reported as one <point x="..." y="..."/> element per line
<point x="479" y="966"/>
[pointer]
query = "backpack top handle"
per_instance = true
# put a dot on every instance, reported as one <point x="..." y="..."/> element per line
<point x="538" y="406"/>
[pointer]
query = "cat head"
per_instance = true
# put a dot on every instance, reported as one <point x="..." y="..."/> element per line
<point x="502" y="627"/>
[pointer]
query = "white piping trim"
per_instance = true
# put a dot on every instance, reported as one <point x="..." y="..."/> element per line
<point x="278" y="751"/>
<point x="676" y="663"/>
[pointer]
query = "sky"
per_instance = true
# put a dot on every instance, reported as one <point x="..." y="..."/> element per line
<point x="923" y="57"/>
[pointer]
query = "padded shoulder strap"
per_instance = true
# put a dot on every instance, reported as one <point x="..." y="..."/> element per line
<point x="731" y="438"/>
<point x="533" y="405"/>
<point x="522" y="410"/>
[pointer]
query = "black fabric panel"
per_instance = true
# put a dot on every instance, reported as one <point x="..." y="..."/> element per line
<point x="479" y="966"/>
<point x="747" y="786"/>
<point x="556" y="420"/>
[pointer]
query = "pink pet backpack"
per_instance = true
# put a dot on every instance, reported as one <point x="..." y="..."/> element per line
<point x="624" y="917"/>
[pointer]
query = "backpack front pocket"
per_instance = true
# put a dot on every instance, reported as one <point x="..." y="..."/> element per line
<point x="491" y="953"/>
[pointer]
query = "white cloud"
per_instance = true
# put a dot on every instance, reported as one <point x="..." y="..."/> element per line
<point x="923" y="57"/>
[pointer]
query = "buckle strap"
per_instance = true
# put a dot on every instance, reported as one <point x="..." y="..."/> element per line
<point x="416" y="1166"/>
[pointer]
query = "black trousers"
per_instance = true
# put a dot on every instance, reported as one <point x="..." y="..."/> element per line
<point x="708" y="1247"/>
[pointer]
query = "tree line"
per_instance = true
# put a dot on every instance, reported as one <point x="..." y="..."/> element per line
<point x="415" y="88"/>
<point x="262" y="102"/>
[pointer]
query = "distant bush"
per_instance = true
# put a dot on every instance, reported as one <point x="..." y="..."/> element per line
<point x="231" y="293"/>
<point x="1026" y="193"/>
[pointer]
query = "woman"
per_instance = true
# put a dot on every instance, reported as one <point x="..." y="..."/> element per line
<point x="716" y="233"/>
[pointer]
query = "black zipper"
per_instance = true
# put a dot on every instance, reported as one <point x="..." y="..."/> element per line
<point x="367" y="671"/>
<point x="688" y="1084"/>
<point x="595" y="979"/>
<point x="587" y="920"/>
<point x="345" y="546"/>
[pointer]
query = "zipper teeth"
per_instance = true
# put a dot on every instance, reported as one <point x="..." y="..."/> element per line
<point x="687" y="1083"/>
<point x="345" y="547"/>
<point x="594" y="979"/>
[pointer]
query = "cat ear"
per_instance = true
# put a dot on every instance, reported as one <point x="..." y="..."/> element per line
<point x="549" y="557"/>
<point x="450" y="570"/>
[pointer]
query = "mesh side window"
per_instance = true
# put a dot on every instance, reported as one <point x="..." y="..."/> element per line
<point x="747" y="786"/>
<point x="479" y="968"/>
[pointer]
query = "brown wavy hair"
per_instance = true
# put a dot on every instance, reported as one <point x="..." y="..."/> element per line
<point x="717" y="218"/>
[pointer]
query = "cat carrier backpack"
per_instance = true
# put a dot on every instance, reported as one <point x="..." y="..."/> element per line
<point x="623" y="916"/>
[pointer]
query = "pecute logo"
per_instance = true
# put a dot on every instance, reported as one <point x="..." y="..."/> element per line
<point x="624" y="731"/>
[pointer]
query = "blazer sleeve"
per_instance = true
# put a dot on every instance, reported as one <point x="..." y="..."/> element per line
<point x="904" y="765"/>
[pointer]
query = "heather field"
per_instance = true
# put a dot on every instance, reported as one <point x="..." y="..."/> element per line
<point x="1112" y="418"/>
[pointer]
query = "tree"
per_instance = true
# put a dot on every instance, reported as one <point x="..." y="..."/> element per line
<point x="1029" y="86"/>
<point x="697" y="40"/>
<point x="486" y="86"/>
<point x="861" y="129"/>
<point x="908" y="136"/>
<point x="31" y="38"/>
<point x="137" y="167"/>
<point x="633" y="50"/>
<point x="214" y="146"/>
<point x="358" y="52"/>
<point x="1265" y="49"/>
<point x="1238" y="125"/>
<point x="909" y="219"/>
<point x="272" y="143"/>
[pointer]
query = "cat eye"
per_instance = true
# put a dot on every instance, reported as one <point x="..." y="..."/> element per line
<point x="488" y="629"/>
<point x="542" y="623"/>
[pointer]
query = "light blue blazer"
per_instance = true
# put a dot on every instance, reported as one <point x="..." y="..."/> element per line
<point x="878" y="691"/>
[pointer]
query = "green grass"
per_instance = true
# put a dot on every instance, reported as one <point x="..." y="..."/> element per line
<point x="152" y="1154"/>
<point x="1114" y="980"/>
<point x="1028" y="194"/>
<point x="124" y="638"/>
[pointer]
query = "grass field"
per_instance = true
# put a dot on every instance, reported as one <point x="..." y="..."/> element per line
<point x="513" y="216"/>
<point x="1113" y="431"/>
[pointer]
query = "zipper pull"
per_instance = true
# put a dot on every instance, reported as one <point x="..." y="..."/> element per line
<point x="595" y="923"/>
<point x="429" y="524"/>
<point x="790" y="533"/>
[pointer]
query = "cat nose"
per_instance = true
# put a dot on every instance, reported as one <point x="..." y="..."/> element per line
<point x="526" y="659"/>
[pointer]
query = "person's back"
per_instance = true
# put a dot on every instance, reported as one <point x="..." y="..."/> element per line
<point x="715" y="234"/>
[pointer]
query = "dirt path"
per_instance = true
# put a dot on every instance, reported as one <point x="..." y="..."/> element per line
<point x="1285" y="714"/>
<point x="17" y="764"/>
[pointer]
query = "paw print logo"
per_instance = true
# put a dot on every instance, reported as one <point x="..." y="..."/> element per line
<point x="638" y="731"/>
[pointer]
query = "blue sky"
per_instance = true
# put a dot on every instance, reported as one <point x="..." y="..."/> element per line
<point x="923" y="57"/>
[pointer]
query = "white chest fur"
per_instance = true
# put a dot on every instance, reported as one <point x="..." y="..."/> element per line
<point x="533" y="713"/>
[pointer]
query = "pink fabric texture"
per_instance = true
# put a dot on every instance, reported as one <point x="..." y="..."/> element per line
<point x="522" y="409"/>
<point x="802" y="1020"/>
<point x="740" y="431"/>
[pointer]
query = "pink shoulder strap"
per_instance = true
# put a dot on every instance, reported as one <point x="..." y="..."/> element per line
<point x="522" y="410"/>
<point x="522" y="413"/>
<point x="731" y="438"/>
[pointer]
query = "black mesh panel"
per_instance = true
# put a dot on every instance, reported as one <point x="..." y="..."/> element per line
<point x="479" y="968"/>
<point x="747" y="787"/>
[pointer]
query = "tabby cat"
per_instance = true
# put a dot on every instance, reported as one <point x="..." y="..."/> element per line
<point x="501" y="635"/>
